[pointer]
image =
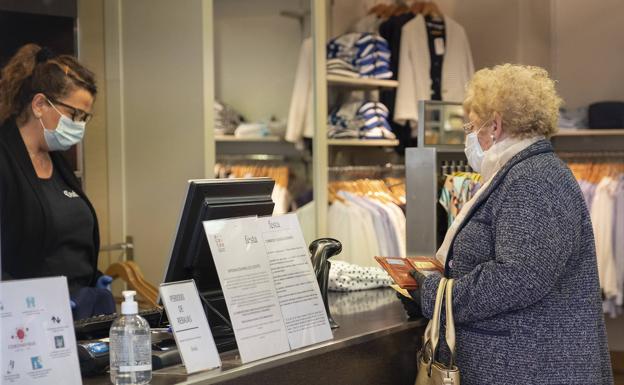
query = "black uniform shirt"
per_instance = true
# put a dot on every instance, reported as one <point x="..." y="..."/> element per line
<point x="71" y="250"/>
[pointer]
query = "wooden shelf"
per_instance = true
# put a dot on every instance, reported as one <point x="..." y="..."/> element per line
<point x="590" y="132"/>
<point x="232" y="138"/>
<point x="361" y="83"/>
<point x="363" y="142"/>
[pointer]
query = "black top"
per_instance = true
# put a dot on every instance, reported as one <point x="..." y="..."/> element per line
<point x="74" y="223"/>
<point x="436" y="31"/>
<point x="33" y="231"/>
<point x="391" y="31"/>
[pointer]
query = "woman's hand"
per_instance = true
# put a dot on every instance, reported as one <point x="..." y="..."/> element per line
<point x="104" y="282"/>
<point x="412" y="306"/>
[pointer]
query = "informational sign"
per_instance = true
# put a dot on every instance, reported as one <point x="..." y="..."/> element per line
<point x="297" y="289"/>
<point x="190" y="326"/>
<point x="268" y="283"/>
<point x="38" y="340"/>
<point x="247" y="283"/>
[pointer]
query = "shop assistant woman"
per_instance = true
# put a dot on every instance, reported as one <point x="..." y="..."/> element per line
<point x="48" y="225"/>
<point x="526" y="298"/>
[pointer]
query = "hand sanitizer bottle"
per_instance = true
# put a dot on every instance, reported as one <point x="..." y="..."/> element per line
<point x="130" y="345"/>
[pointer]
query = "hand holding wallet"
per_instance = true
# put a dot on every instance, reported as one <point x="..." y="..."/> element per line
<point x="400" y="269"/>
<point x="412" y="305"/>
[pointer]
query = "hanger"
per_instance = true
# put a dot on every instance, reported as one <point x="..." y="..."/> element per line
<point x="378" y="9"/>
<point x="431" y="9"/>
<point x="148" y="287"/>
<point x="417" y="7"/>
<point x="376" y="189"/>
<point x="131" y="274"/>
<point x="400" y="9"/>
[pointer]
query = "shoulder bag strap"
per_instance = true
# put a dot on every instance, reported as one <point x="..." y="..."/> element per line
<point x="434" y="332"/>
<point x="450" y="322"/>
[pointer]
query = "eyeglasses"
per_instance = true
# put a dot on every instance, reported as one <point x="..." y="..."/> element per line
<point x="469" y="127"/>
<point x="77" y="115"/>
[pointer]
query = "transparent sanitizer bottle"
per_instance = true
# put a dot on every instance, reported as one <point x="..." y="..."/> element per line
<point x="130" y="345"/>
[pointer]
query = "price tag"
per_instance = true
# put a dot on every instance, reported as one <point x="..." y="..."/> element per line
<point x="38" y="339"/>
<point x="438" y="45"/>
<point x="190" y="326"/>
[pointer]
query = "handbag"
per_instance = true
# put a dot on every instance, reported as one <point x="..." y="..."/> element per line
<point x="430" y="370"/>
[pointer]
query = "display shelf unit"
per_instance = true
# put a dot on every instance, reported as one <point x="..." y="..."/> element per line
<point x="590" y="132"/>
<point x="360" y="83"/>
<point x="363" y="142"/>
<point x="424" y="176"/>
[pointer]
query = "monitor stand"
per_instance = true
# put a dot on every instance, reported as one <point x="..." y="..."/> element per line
<point x="219" y="320"/>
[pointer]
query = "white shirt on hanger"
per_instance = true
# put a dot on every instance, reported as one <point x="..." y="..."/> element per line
<point x="380" y="227"/>
<point x="301" y="116"/>
<point x="415" y="62"/>
<point x="338" y="227"/>
<point x="602" y="211"/>
<point x="365" y="244"/>
<point x="353" y="226"/>
<point x="399" y="223"/>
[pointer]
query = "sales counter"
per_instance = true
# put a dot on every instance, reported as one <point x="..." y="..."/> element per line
<point x="375" y="344"/>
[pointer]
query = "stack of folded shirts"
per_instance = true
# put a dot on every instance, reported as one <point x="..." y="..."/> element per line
<point x="573" y="118"/>
<point x="342" y="68"/>
<point x="376" y="126"/>
<point x="363" y="120"/>
<point x="226" y="119"/>
<point x="359" y="55"/>
<point x="252" y="130"/>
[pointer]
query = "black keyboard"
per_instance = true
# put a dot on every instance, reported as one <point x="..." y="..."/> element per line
<point x="99" y="326"/>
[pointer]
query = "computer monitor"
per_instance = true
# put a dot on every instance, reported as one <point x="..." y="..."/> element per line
<point x="208" y="199"/>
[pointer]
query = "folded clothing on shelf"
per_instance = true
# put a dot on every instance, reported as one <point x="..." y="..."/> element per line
<point x="226" y="119"/>
<point x="362" y="120"/>
<point x="364" y="54"/>
<point x="252" y="130"/>
<point x="573" y="118"/>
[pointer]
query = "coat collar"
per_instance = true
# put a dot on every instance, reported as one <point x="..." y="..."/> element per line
<point x="15" y="144"/>
<point x="537" y="148"/>
<point x="9" y="132"/>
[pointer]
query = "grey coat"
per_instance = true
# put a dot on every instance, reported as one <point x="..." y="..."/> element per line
<point x="527" y="301"/>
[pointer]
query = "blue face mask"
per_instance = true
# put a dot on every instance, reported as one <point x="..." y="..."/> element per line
<point x="66" y="134"/>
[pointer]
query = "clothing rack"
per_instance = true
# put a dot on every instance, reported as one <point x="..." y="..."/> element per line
<point x="374" y="172"/>
<point x="250" y="157"/>
<point x="607" y="155"/>
<point x="386" y="167"/>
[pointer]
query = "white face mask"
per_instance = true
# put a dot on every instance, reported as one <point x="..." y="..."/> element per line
<point x="66" y="134"/>
<point x="474" y="152"/>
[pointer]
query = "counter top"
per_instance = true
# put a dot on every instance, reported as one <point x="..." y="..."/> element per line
<point x="363" y="316"/>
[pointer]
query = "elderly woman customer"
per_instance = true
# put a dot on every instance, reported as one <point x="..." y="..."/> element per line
<point x="526" y="298"/>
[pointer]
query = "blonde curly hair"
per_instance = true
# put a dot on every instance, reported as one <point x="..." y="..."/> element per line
<point x="524" y="96"/>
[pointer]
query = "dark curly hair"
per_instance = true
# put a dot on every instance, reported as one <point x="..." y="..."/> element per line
<point x="33" y="70"/>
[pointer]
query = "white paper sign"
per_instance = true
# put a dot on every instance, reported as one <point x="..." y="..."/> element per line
<point x="190" y="326"/>
<point x="297" y="289"/>
<point x="38" y="340"/>
<point x="245" y="276"/>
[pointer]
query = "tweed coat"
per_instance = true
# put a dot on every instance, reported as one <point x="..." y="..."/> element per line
<point x="527" y="302"/>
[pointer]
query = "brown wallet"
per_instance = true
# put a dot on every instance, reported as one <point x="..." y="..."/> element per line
<point x="399" y="269"/>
